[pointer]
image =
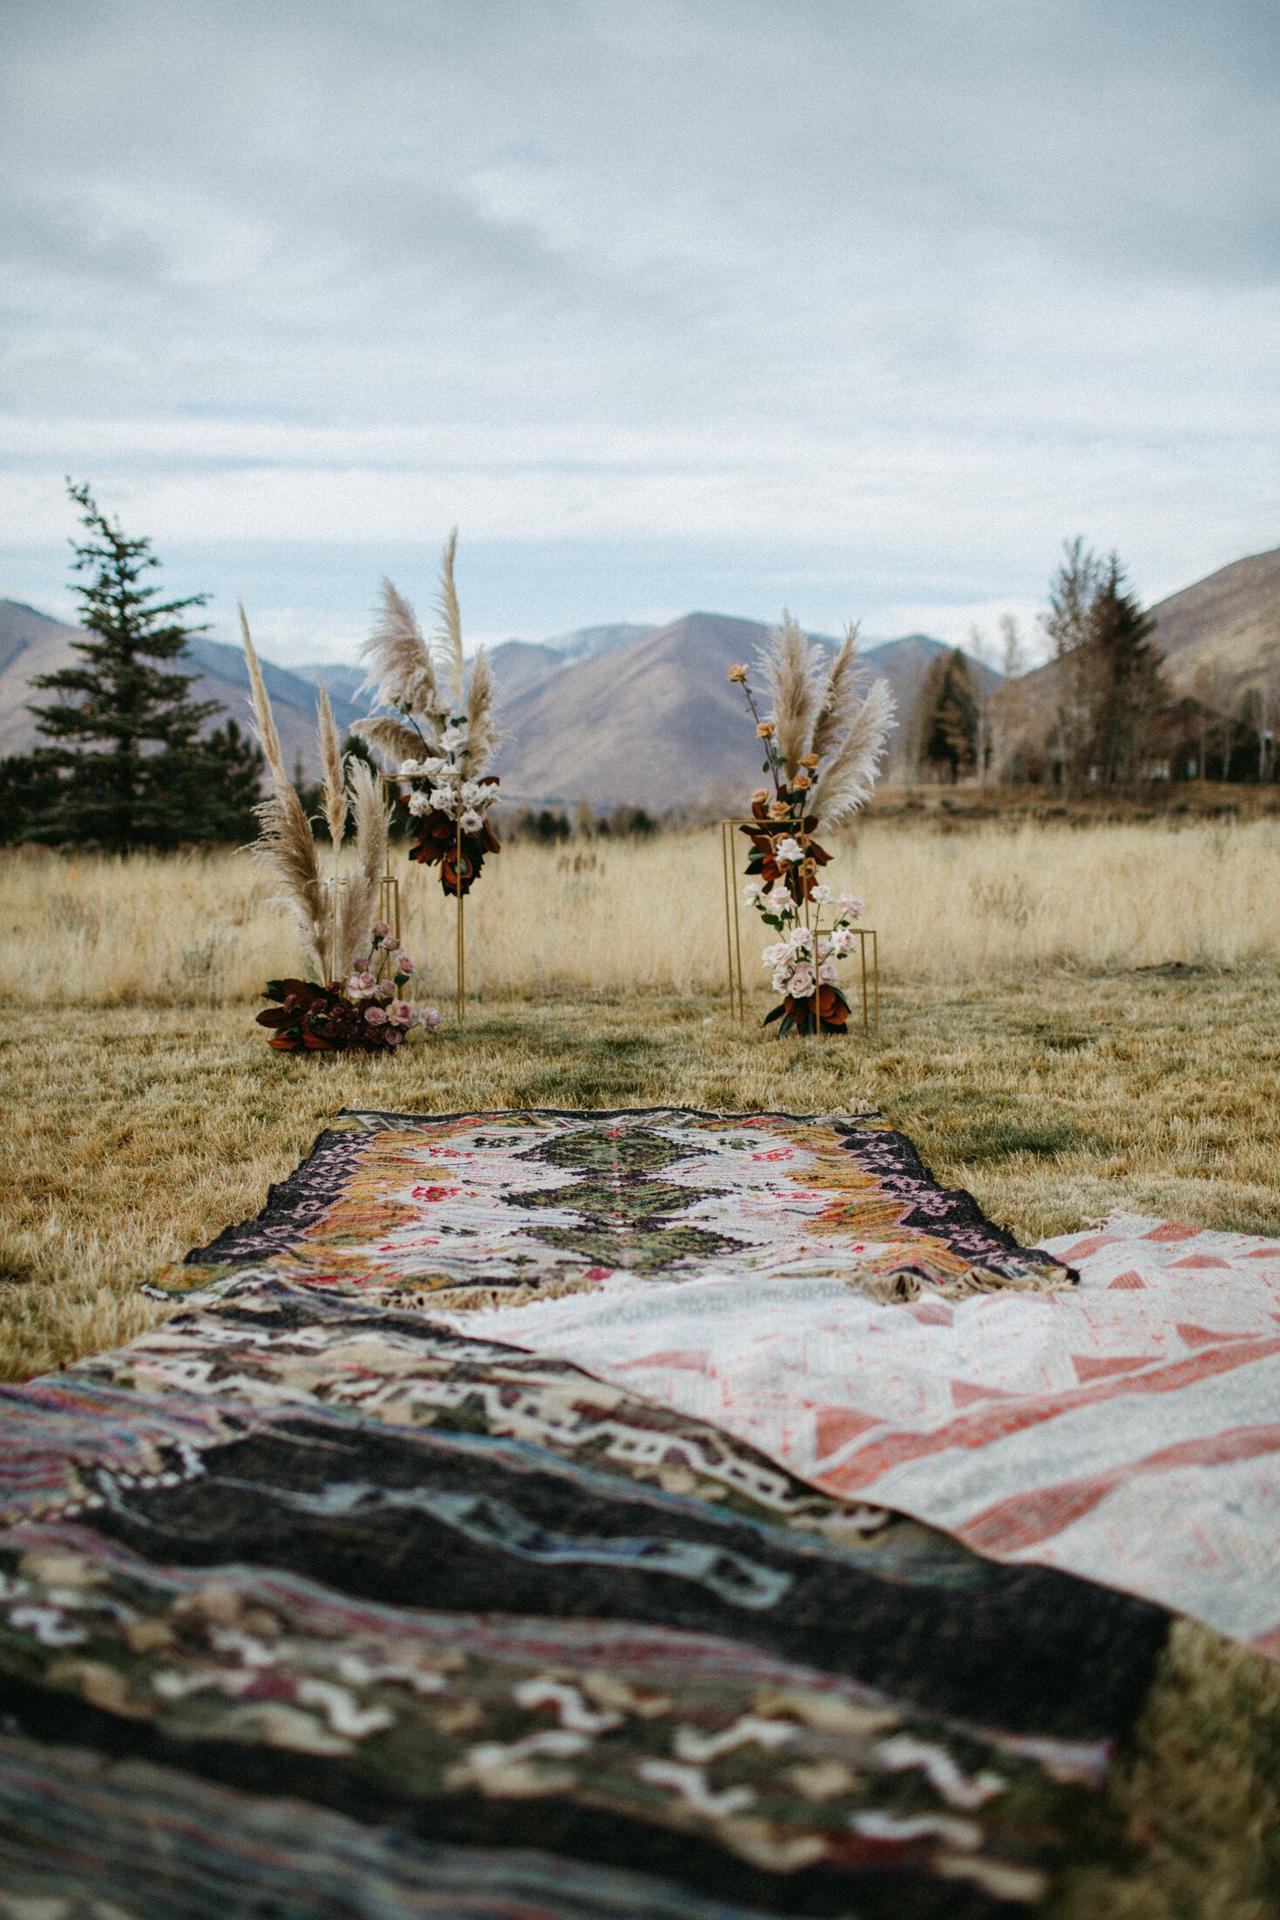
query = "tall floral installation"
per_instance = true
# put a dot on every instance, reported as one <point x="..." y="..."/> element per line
<point x="823" y="744"/>
<point x="440" y="732"/>
<point x="353" y="998"/>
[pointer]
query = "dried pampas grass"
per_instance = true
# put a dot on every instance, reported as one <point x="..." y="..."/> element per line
<point x="334" y="803"/>
<point x="429" y="682"/>
<point x="793" y="668"/>
<point x="358" y="905"/>
<point x="264" y="724"/>
<point x="334" y="922"/>
<point x="839" y="698"/>
<point x="482" y="731"/>
<point x="286" y="847"/>
<point x="390" y="736"/>
<point x="401" y="670"/>
<point x="849" y="778"/>
<point x="449" y="632"/>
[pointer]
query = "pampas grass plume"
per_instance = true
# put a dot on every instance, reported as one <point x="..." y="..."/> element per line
<point x="449" y="633"/>
<point x="335" y="796"/>
<point x="850" y="776"/>
<point x="792" y="666"/>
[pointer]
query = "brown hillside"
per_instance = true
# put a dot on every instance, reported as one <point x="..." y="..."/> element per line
<point x="651" y="724"/>
<point x="32" y="643"/>
<point x="1230" y="620"/>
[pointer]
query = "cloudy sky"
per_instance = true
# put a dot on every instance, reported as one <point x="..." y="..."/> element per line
<point x="856" y="306"/>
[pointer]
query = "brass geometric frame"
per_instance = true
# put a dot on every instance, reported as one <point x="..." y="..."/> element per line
<point x="389" y="895"/>
<point x="866" y="936"/>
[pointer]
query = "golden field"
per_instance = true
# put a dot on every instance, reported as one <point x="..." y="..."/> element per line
<point x="1074" y="1020"/>
<point x="990" y="901"/>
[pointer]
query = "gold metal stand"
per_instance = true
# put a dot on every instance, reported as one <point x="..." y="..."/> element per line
<point x="460" y="935"/>
<point x="869" y="965"/>
<point x="732" y="923"/>
<point x="389" y="907"/>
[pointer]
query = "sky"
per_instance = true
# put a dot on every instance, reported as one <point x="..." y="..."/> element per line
<point x="857" y="307"/>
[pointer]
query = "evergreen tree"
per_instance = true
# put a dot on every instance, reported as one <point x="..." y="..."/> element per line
<point x="1125" y="681"/>
<point x="227" y="787"/>
<point x="947" y="736"/>
<point x="28" y="789"/>
<point x="124" y="727"/>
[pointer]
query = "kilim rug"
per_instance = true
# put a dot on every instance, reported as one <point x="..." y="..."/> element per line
<point x="805" y="1284"/>
<point x="1127" y="1431"/>
<point x="312" y="1605"/>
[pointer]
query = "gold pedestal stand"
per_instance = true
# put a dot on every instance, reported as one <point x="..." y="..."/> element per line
<point x="389" y="907"/>
<point x="869" y="962"/>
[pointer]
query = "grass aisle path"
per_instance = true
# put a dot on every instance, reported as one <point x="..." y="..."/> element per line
<point x="133" y="1133"/>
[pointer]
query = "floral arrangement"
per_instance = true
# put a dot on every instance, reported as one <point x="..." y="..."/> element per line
<point x="441" y="734"/>
<point x="823" y="743"/>
<point x="363" y="1013"/>
<point x="353" y="997"/>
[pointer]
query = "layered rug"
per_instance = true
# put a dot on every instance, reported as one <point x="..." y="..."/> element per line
<point x="806" y="1286"/>
<point x="312" y="1603"/>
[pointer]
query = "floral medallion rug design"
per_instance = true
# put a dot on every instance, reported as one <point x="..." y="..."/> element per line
<point x="311" y="1604"/>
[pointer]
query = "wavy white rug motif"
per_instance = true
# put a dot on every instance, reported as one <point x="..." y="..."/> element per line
<point x="1127" y="1431"/>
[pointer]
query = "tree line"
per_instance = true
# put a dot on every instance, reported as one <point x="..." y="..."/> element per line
<point x="1102" y="714"/>
<point x="126" y="759"/>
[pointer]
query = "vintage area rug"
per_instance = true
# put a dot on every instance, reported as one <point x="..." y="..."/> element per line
<point x="521" y="1205"/>
<point x="804" y="1284"/>
<point x="312" y="1604"/>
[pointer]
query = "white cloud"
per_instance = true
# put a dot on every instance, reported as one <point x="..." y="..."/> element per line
<point x="909" y="293"/>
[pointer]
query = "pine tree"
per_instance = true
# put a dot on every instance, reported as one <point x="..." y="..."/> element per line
<point x="125" y="730"/>
<point x="227" y="787"/>
<point x="948" y="716"/>
<point x="1125" y="680"/>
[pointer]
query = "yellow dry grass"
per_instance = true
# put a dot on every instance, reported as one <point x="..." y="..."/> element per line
<point x="992" y="901"/>
<point x="1074" y="1021"/>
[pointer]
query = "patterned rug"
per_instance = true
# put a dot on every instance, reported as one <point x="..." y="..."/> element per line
<point x="312" y="1605"/>
<point x="1127" y="1431"/>
<point x="509" y="1207"/>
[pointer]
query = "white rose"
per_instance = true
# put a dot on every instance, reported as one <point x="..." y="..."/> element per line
<point x="841" y="940"/>
<point x="470" y="821"/>
<point x="442" y="797"/>
<point x="775" y="955"/>
<point x="419" y="803"/>
<point x="822" y="893"/>
<point x="828" y="972"/>
<point x="430" y="768"/>
<point x="802" y="983"/>
<point x="851" y="905"/>
<point x="782" y="980"/>
<point x="752" y="892"/>
<point x="789" y="851"/>
<point x="410" y="768"/>
<point x="798" y="939"/>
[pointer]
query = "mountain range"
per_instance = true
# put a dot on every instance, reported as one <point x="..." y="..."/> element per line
<point x="645" y="716"/>
<point x="619" y="714"/>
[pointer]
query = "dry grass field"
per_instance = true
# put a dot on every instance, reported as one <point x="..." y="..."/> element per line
<point x="1073" y="1021"/>
<point x="988" y="902"/>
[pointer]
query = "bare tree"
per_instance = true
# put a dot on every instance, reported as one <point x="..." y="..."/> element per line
<point x="1067" y="627"/>
<point x="980" y="654"/>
